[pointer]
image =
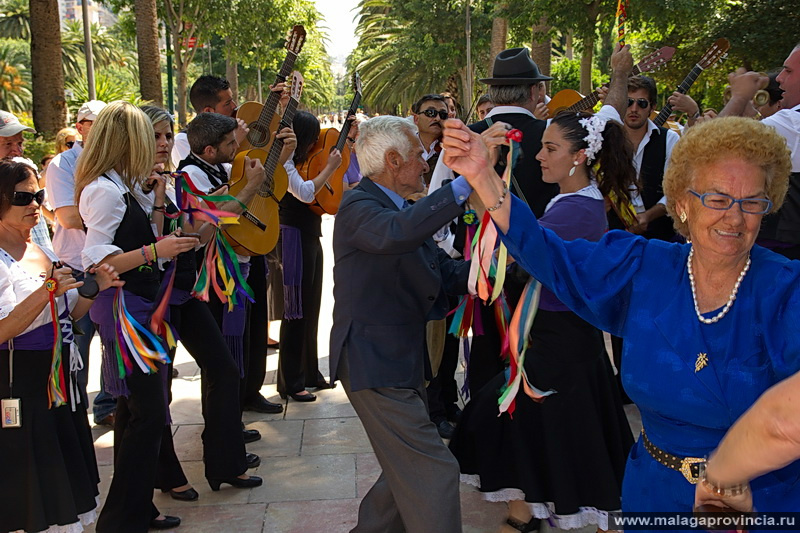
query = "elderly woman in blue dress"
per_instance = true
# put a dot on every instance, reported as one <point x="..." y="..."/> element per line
<point x="708" y="325"/>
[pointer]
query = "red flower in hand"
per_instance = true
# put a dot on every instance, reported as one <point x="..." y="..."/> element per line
<point x="514" y="135"/>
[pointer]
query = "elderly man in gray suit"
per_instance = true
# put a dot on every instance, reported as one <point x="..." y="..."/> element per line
<point x="390" y="278"/>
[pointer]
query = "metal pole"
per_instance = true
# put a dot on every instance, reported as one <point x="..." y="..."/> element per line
<point x="87" y="45"/>
<point x="170" y="88"/>
<point x="210" y="65"/>
<point x="469" y="76"/>
<point x="260" y="97"/>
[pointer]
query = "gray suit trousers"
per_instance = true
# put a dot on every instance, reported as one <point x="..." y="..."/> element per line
<point x="418" y="490"/>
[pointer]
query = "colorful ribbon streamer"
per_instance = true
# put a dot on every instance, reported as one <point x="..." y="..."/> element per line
<point x="135" y="343"/>
<point x="622" y="17"/>
<point x="56" y="382"/>
<point x="519" y="335"/>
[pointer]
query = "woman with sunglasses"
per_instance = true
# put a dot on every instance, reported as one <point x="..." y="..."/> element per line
<point x="49" y="472"/>
<point x="301" y="257"/>
<point x="708" y="325"/>
<point x="109" y="178"/>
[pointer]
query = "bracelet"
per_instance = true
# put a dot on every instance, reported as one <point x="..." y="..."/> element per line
<point x="696" y="115"/>
<point x="155" y="254"/>
<point x="159" y="208"/>
<point x="720" y="490"/>
<point x="500" y="200"/>
<point x="146" y="255"/>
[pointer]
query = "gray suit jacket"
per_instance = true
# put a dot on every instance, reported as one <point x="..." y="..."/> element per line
<point x="390" y="278"/>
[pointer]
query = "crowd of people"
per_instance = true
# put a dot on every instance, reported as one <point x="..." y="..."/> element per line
<point x="679" y="244"/>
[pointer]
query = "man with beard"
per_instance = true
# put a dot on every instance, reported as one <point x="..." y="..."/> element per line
<point x="429" y="113"/>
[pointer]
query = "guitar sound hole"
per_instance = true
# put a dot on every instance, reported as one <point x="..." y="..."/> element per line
<point x="258" y="136"/>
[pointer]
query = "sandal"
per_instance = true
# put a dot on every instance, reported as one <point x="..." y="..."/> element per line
<point x="532" y="525"/>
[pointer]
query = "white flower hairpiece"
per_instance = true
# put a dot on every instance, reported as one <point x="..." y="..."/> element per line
<point x="594" y="125"/>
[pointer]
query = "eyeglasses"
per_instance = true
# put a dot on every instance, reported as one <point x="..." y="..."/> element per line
<point x="723" y="202"/>
<point x="432" y="113"/>
<point x="70" y="144"/>
<point x="22" y="198"/>
<point x="643" y="103"/>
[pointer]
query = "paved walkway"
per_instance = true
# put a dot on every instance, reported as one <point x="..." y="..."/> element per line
<point x="316" y="460"/>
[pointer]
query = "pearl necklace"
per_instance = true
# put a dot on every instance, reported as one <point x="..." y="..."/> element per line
<point x="731" y="298"/>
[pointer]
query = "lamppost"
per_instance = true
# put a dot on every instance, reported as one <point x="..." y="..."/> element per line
<point x="87" y="45"/>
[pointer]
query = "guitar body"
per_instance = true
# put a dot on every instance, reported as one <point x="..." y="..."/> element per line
<point x="562" y="100"/>
<point x="259" y="136"/>
<point x="330" y="196"/>
<point x="259" y="226"/>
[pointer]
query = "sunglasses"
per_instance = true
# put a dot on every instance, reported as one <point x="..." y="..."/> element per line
<point x="22" y="198"/>
<point x="70" y="144"/>
<point x="643" y="103"/>
<point x="432" y="113"/>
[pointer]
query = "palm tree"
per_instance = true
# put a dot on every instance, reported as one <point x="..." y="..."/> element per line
<point x="14" y="79"/>
<point x="148" y="52"/>
<point x="49" y="108"/>
<point x="105" y="49"/>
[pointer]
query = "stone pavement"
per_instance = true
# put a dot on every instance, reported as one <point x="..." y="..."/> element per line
<point x="316" y="460"/>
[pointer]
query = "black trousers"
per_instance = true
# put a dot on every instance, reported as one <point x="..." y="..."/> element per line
<point x="297" y="360"/>
<point x="139" y="426"/>
<point x="255" y="348"/>
<point x="443" y="390"/>
<point x="223" y="445"/>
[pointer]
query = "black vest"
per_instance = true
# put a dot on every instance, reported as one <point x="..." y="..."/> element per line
<point x="299" y="215"/>
<point x="134" y="231"/>
<point x="784" y="226"/>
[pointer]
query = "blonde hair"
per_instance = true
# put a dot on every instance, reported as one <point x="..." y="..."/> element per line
<point x="61" y="138"/>
<point x="123" y="140"/>
<point x="724" y="138"/>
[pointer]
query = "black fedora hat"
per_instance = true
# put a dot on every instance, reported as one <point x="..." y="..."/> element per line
<point x="515" y="67"/>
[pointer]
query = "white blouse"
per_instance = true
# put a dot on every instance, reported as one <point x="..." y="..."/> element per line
<point x="102" y="207"/>
<point x="16" y="284"/>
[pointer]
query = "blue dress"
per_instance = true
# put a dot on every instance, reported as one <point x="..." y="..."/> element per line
<point x="639" y="289"/>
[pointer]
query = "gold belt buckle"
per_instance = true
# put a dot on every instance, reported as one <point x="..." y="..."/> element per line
<point x="686" y="468"/>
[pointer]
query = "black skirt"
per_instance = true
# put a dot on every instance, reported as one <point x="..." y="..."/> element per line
<point x="48" y="469"/>
<point x="565" y="456"/>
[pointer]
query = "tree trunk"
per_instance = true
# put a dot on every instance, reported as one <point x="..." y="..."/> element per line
<point x="586" y="65"/>
<point x="232" y="72"/>
<point x="148" y="52"/>
<point x="180" y="78"/>
<point x="499" y="39"/>
<point x="569" y="49"/>
<point x="540" y="47"/>
<point x="47" y="74"/>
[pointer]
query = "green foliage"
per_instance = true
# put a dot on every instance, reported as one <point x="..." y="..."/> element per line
<point x="109" y="86"/>
<point x="15" y="20"/>
<point x="36" y="147"/>
<point x="15" y="94"/>
<point x="566" y="74"/>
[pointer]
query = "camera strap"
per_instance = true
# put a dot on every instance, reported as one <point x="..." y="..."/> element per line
<point x="11" y="368"/>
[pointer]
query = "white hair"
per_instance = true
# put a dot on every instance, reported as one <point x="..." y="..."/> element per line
<point x="377" y="136"/>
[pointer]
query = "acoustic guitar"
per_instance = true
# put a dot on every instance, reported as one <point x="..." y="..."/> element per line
<point x="717" y="52"/>
<point x="259" y="225"/>
<point x="573" y="101"/>
<point x="330" y="196"/>
<point x="262" y="119"/>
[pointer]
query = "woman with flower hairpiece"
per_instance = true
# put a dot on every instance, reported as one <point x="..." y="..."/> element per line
<point x="708" y="325"/>
<point x="562" y="459"/>
<point x="49" y="472"/>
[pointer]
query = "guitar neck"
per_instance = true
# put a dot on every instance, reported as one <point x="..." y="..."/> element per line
<point x="347" y="123"/>
<point x="277" y="144"/>
<point x="683" y="88"/>
<point x="271" y="105"/>
<point x="588" y="102"/>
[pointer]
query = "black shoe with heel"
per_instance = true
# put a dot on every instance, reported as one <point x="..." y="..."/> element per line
<point x="188" y="495"/>
<point x="168" y="522"/>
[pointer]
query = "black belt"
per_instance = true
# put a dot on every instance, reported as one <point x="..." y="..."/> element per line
<point x="688" y="466"/>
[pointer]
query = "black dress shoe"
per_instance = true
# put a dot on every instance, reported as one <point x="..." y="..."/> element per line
<point x="188" y="495"/>
<point x="167" y="523"/>
<point x="262" y="405"/>
<point x="308" y="397"/>
<point x="253" y="461"/>
<point x="445" y="429"/>
<point x="250" y="435"/>
<point x="239" y="483"/>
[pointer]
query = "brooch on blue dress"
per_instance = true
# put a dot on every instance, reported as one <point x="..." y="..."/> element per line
<point x="701" y="363"/>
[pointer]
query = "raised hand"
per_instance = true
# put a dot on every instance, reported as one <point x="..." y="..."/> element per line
<point x="64" y="280"/>
<point x="465" y="151"/>
<point x="106" y="276"/>
<point x="172" y="245"/>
